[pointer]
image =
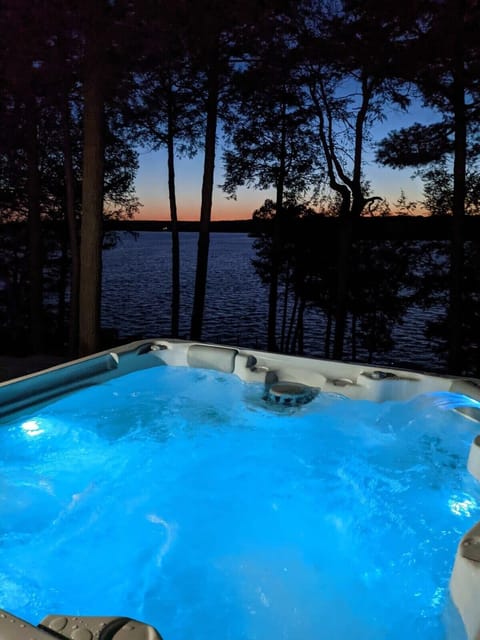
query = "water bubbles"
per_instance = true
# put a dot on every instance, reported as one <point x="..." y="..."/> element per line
<point x="197" y="508"/>
<point x="463" y="505"/>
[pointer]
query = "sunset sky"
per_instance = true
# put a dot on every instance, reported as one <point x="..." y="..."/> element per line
<point x="153" y="193"/>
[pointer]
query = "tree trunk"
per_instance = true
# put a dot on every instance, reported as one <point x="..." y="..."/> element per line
<point x="34" y="230"/>
<point x="293" y="315"/>
<point x="350" y="191"/>
<point x="286" y="293"/>
<point x="299" y="333"/>
<point x="72" y="232"/>
<point x="328" y="333"/>
<point x="206" y="206"/>
<point x="354" y="337"/>
<point x="277" y="242"/>
<point x="92" y="193"/>
<point x="174" y="219"/>
<point x="459" y="166"/>
<point x="356" y="206"/>
<point x="345" y="232"/>
<point x="63" y="269"/>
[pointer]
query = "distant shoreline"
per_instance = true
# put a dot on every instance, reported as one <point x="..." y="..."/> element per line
<point x="387" y="228"/>
<point x="222" y="226"/>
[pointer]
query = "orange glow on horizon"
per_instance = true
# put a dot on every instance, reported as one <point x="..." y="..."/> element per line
<point x="217" y="216"/>
<point x="189" y="211"/>
<point x="152" y="191"/>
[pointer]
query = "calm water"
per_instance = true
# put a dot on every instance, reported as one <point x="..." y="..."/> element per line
<point x="136" y="299"/>
<point x="178" y="497"/>
<point x="137" y="289"/>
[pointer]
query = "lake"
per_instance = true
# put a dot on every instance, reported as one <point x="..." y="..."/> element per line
<point x="137" y="289"/>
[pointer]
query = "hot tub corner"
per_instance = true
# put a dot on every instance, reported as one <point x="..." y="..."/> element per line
<point x="465" y="581"/>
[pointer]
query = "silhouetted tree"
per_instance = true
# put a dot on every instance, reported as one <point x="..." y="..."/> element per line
<point x="445" y="68"/>
<point x="166" y="110"/>
<point x="349" y="86"/>
<point x="289" y="267"/>
<point x="270" y="145"/>
<point x="40" y="172"/>
<point x="226" y="35"/>
<point x="23" y="77"/>
<point x="212" y="98"/>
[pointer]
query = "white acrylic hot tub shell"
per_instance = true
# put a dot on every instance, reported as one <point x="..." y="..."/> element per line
<point x="355" y="381"/>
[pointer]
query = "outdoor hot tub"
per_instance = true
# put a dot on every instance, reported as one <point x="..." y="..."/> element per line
<point x="221" y="492"/>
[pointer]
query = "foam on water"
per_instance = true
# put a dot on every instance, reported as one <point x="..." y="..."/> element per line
<point x="178" y="497"/>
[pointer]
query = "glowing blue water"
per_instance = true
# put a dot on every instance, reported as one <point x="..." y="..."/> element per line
<point x="175" y="496"/>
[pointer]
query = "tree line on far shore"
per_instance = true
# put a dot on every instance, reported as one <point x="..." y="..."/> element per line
<point x="292" y="89"/>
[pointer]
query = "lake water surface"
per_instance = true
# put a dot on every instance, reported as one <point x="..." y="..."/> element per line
<point x="137" y="290"/>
